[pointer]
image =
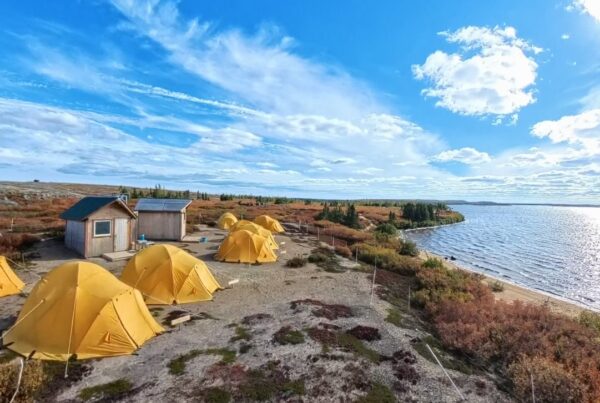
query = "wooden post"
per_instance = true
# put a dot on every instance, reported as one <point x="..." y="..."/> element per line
<point x="373" y="283"/>
<point x="532" y="387"/>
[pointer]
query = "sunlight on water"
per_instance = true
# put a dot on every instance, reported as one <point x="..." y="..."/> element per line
<point x="553" y="249"/>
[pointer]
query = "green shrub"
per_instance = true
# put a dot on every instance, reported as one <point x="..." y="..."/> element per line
<point x="590" y="320"/>
<point x="409" y="248"/>
<point x="439" y="285"/>
<point x="386" y="258"/>
<point x="497" y="286"/>
<point x="386" y="228"/>
<point x="433" y="263"/>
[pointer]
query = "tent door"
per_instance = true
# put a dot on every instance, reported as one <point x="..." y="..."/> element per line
<point x="121" y="234"/>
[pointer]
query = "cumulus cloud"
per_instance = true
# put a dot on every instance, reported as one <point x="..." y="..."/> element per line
<point x="493" y="73"/>
<point x="465" y="155"/>
<point x="580" y="128"/>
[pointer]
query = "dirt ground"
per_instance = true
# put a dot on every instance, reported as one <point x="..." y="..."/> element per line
<point x="328" y="374"/>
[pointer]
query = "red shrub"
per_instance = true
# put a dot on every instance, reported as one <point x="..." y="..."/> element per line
<point x="503" y="332"/>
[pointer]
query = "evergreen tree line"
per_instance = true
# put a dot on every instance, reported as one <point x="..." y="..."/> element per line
<point x="419" y="212"/>
<point x="336" y="213"/>
<point x="159" y="192"/>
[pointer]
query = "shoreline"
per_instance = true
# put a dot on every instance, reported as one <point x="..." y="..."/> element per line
<point x="432" y="227"/>
<point x="515" y="292"/>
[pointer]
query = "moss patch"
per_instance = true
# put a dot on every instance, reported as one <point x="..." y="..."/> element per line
<point x="394" y="317"/>
<point x="216" y="395"/>
<point x="287" y="335"/>
<point x="378" y="394"/>
<point x="331" y="338"/>
<point x="327" y="260"/>
<point x="177" y="365"/>
<point x="264" y="385"/>
<point x="241" y="333"/>
<point x="108" y="391"/>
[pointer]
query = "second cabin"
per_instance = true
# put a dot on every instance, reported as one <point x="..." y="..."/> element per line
<point x="162" y="219"/>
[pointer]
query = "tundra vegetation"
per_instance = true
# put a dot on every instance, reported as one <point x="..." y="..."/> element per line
<point x="518" y="341"/>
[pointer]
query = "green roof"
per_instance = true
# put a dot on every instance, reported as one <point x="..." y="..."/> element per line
<point x="88" y="205"/>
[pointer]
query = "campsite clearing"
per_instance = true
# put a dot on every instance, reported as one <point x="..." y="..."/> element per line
<point x="271" y="302"/>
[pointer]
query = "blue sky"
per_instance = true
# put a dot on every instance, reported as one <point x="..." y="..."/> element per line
<point x="338" y="99"/>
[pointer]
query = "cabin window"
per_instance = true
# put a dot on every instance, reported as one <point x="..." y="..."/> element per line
<point x="102" y="228"/>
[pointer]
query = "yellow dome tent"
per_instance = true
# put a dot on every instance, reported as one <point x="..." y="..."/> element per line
<point x="269" y="223"/>
<point x="10" y="284"/>
<point x="167" y="275"/>
<point x="258" y="230"/>
<point x="81" y="309"/>
<point x="245" y="247"/>
<point x="226" y="221"/>
<point x="239" y="224"/>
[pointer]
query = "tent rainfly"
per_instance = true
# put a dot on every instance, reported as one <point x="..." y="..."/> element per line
<point x="269" y="223"/>
<point x="245" y="247"/>
<point x="258" y="230"/>
<point x="10" y="284"/>
<point x="168" y="275"/>
<point x="239" y="224"/>
<point x="81" y="310"/>
<point x="226" y="221"/>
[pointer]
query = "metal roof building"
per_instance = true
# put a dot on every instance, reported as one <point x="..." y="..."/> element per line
<point x="162" y="219"/>
<point x="96" y="225"/>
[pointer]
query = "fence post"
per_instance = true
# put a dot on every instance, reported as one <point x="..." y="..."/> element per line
<point x="409" y="298"/>
<point x="332" y="241"/>
<point x="532" y="387"/>
<point x="373" y="284"/>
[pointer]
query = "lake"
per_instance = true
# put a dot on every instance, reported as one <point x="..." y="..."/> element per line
<point x="547" y="248"/>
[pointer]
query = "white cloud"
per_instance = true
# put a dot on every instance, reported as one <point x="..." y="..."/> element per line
<point x="466" y="155"/>
<point x="493" y="74"/>
<point x="565" y="37"/>
<point x="580" y="128"/>
<point x="590" y="7"/>
<point x="260" y="69"/>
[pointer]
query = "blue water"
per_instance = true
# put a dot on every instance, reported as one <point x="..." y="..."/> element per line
<point x="552" y="249"/>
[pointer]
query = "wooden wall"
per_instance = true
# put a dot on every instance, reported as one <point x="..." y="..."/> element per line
<point x="97" y="246"/>
<point x="75" y="236"/>
<point x="161" y="225"/>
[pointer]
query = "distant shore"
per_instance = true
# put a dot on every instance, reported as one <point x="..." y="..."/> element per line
<point x="513" y="292"/>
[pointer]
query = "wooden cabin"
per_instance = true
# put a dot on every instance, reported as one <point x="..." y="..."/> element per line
<point x="97" y="224"/>
<point x="162" y="219"/>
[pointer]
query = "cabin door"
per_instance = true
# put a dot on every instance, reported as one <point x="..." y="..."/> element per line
<point x="121" y="234"/>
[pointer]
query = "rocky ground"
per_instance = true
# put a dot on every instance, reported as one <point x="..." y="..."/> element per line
<point x="280" y="334"/>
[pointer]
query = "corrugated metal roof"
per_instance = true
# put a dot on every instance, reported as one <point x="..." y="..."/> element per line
<point x="86" y="206"/>
<point x="162" y="205"/>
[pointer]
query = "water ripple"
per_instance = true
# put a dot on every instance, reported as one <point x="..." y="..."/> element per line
<point x="552" y="249"/>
